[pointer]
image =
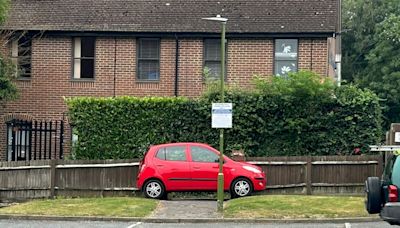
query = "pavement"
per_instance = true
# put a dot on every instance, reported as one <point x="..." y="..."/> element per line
<point x="186" y="209"/>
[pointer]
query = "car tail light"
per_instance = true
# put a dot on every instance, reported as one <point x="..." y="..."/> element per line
<point x="393" y="193"/>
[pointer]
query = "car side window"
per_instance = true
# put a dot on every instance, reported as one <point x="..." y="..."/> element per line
<point x="201" y="154"/>
<point x="161" y="154"/>
<point x="172" y="153"/>
<point x="396" y="172"/>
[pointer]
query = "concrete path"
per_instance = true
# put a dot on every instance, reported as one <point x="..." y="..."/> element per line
<point x="186" y="209"/>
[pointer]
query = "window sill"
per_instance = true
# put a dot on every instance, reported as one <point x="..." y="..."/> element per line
<point x="24" y="78"/>
<point x="82" y="80"/>
<point x="147" y="81"/>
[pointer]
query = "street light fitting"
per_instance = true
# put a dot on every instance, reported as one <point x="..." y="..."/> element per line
<point x="216" y="18"/>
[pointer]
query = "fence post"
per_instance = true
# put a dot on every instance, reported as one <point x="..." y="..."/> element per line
<point x="308" y="175"/>
<point x="53" y="164"/>
<point x="380" y="165"/>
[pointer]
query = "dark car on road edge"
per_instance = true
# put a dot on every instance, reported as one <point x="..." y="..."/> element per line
<point x="382" y="195"/>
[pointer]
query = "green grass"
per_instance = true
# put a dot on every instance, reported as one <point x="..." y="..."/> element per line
<point x="113" y="207"/>
<point x="295" y="207"/>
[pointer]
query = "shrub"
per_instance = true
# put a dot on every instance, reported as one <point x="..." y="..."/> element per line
<point x="300" y="115"/>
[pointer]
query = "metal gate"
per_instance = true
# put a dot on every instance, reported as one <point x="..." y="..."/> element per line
<point x="34" y="140"/>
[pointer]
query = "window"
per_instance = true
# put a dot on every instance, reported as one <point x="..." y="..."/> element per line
<point x="200" y="154"/>
<point x="212" y="58"/>
<point x="285" y="56"/>
<point x="21" y="50"/>
<point x="396" y="172"/>
<point x="84" y="51"/>
<point x="148" y="59"/>
<point x="173" y="153"/>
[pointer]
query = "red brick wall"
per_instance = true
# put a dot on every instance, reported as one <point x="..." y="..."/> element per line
<point x="41" y="97"/>
<point x="313" y="55"/>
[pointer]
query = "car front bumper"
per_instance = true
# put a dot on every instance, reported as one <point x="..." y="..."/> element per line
<point x="391" y="213"/>
<point x="259" y="183"/>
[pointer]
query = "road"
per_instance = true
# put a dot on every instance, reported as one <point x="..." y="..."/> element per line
<point x="97" y="224"/>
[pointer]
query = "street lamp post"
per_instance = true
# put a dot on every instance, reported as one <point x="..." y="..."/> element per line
<point x="220" y="190"/>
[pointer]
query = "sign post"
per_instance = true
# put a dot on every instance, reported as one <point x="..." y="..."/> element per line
<point x="221" y="117"/>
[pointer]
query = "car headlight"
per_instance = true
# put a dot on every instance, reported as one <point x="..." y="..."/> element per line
<point x="251" y="169"/>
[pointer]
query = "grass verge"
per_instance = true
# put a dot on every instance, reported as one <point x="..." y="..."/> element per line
<point x="295" y="207"/>
<point x="108" y="207"/>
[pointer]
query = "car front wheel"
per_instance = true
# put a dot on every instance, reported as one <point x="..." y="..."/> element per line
<point x="154" y="189"/>
<point x="373" y="201"/>
<point x="241" y="187"/>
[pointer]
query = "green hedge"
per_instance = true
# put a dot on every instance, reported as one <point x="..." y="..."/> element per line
<point x="308" y="119"/>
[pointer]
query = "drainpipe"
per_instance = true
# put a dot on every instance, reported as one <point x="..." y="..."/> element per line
<point x="115" y="65"/>
<point x="176" y="65"/>
<point x="338" y="56"/>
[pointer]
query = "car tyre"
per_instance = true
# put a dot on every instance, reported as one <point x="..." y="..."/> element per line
<point x="241" y="187"/>
<point x="373" y="191"/>
<point x="154" y="189"/>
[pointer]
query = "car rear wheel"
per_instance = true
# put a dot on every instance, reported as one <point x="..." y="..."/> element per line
<point x="241" y="187"/>
<point x="373" y="201"/>
<point x="154" y="189"/>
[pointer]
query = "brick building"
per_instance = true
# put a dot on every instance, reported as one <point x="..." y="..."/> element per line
<point x="152" y="48"/>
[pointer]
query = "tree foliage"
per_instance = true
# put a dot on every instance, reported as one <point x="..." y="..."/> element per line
<point x="4" y="6"/>
<point x="7" y="69"/>
<point x="371" y="50"/>
<point x="8" y="90"/>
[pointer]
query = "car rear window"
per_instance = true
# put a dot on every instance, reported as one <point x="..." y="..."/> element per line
<point x="172" y="153"/>
<point x="396" y="172"/>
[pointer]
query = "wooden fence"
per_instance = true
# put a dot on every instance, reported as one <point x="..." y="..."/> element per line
<point x="300" y="175"/>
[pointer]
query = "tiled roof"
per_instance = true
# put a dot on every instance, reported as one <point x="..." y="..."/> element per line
<point x="245" y="16"/>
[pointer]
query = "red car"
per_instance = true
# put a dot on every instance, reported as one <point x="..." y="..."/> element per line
<point x="194" y="167"/>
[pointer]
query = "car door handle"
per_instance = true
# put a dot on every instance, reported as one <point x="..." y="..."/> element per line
<point x="196" y="167"/>
<point x="160" y="165"/>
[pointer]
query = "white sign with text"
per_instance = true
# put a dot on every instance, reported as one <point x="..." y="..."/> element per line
<point x="221" y="115"/>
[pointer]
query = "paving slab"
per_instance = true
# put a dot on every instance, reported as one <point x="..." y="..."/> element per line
<point x="186" y="209"/>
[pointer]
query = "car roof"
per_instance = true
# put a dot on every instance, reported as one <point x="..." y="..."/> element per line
<point x="180" y="144"/>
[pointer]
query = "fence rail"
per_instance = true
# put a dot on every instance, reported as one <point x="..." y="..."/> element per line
<point x="300" y="175"/>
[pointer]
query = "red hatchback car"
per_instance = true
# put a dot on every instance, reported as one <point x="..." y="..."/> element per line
<point x="194" y="167"/>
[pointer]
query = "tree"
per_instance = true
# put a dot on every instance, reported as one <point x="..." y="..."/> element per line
<point x="371" y="50"/>
<point x="8" y="90"/>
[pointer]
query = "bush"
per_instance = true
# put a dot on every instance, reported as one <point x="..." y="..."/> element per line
<point x="300" y="115"/>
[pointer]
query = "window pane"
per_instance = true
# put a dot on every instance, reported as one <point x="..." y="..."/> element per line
<point x="14" y="48"/>
<point x="200" y="154"/>
<point x="88" y="46"/>
<point x="149" y="48"/>
<point x="21" y="55"/>
<point x="212" y="48"/>
<point x="148" y="70"/>
<point x="161" y="154"/>
<point x="87" y="68"/>
<point x="77" y="47"/>
<point x="284" y="67"/>
<point x="396" y="172"/>
<point x="176" y="153"/>
<point x="286" y="46"/>
<point x="214" y="69"/>
<point x="77" y="68"/>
